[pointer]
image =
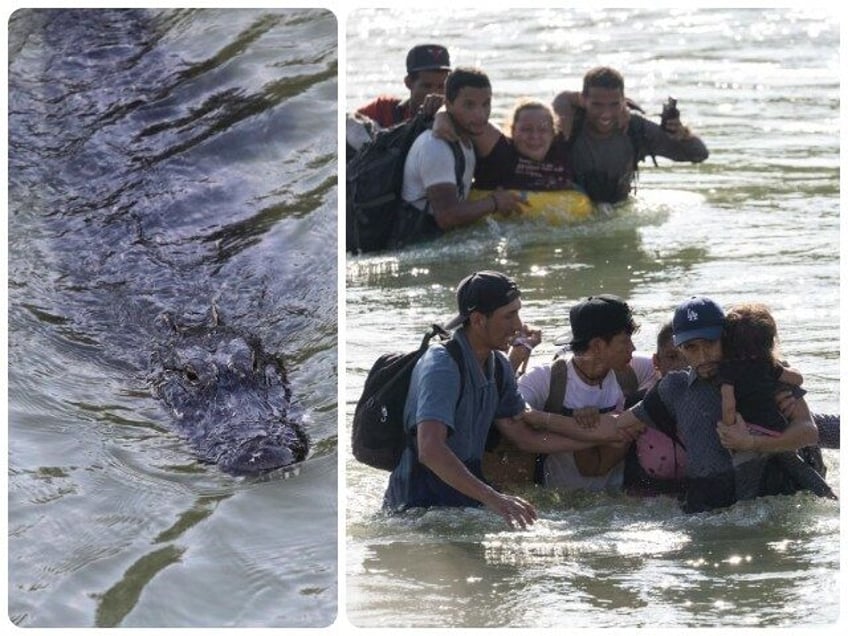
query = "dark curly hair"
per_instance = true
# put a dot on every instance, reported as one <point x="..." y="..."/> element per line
<point x="750" y="333"/>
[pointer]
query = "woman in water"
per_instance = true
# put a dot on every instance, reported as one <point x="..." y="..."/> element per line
<point x="530" y="155"/>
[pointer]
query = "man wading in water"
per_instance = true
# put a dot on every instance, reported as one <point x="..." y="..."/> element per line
<point x="449" y="409"/>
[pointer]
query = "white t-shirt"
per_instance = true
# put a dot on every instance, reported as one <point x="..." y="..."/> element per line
<point x="430" y="162"/>
<point x="560" y="469"/>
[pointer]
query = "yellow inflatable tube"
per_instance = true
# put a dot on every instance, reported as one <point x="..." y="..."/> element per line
<point x="556" y="207"/>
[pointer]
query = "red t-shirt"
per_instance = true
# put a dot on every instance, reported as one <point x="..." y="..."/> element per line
<point x="387" y="111"/>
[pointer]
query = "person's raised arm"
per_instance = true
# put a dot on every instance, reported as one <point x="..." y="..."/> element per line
<point x="565" y="106"/>
<point x="728" y="404"/>
<point x="675" y="142"/>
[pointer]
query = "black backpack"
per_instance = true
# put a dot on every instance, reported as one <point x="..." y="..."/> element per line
<point x="374" y="182"/>
<point x="378" y="437"/>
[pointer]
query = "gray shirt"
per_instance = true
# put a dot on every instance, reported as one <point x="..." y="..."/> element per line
<point x="694" y="405"/>
<point x="605" y="167"/>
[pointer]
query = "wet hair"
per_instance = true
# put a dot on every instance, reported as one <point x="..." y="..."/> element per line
<point x="750" y="333"/>
<point x="459" y="78"/>
<point x="527" y="103"/>
<point x="602" y="77"/>
<point x="665" y="335"/>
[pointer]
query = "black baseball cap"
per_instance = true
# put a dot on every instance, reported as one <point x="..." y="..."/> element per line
<point x="599" y="316"/>
<point x="485" y="292"/>
<point x="427" y="57"/>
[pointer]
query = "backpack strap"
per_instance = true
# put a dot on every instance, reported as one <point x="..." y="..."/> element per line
<point x="500" y="381"/>
<point x="455" y="352"/>
<point x="433" y="331"/>
<point x="459" y="166"/>
<point x="627" y="381"/>
<point x="559" y="379"/>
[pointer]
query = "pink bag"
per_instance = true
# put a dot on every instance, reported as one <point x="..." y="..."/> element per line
<point x="659" y="456"/>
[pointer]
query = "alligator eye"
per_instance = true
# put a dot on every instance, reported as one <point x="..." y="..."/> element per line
<point x="191" y="374"/>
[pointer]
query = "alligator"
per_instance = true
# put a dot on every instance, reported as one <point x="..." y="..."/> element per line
<point x="228" y="397"/>
<point x="137" y="212"/>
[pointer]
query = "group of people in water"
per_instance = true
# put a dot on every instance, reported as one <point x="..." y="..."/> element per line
<point x="712" y="416"/>
<point x="716" y="418"/>
<point x="590" y="141"/>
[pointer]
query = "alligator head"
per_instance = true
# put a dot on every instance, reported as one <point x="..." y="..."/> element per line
<point x="229" y="399"/>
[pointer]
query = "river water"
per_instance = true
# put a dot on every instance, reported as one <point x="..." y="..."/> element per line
<point x="758" y="221"/>
<point x="161" y="161"/>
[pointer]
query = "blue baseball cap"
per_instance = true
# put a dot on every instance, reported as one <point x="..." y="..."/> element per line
<point x="698" y="317"/>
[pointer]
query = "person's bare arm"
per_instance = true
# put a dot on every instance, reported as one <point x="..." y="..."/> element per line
<point x="450" y="212"/>
<point x="443" y="128"/>
<point x="801" y="432"/>
<point x="610" y="428"/>
<point x="565" y="105"/>
<point x="435" y="454"/>
<point x="728" y="404"/>
<point x="537" y="441"/>
<point x="788" y="375"/>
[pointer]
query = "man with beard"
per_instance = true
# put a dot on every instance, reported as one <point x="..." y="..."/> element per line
<point x="691" y="400"/>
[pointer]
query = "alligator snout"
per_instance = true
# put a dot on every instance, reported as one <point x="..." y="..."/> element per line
<point x="262" y="454"/>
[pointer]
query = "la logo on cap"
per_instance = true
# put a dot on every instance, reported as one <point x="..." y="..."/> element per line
<point x="691" y="315"/>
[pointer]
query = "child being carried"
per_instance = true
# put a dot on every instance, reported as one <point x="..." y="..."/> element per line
<point x="750" y="375"/>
